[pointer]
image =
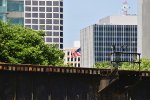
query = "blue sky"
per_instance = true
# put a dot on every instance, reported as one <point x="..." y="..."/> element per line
<point x="79" y="14"/>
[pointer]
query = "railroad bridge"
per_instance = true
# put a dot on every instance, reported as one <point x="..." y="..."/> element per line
<point x="36" y="82"/>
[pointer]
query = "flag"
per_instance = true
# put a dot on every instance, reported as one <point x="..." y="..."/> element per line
<point x="76" y="53"/>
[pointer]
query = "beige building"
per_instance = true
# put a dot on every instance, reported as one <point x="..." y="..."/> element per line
<point x="144" y="28"/>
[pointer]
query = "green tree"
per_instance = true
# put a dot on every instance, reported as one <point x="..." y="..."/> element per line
<point x="104" y="65"/>
<point x="26" y="46"/>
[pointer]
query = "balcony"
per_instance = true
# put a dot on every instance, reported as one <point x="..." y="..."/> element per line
<point x="3" y="9"/>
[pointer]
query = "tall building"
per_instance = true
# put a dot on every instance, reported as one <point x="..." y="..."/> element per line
<point x="144" y="28"/>
<point x="46" y="15"/>
<point x="97" y="40"/>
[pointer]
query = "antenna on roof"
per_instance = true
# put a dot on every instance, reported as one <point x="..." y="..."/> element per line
<point x="125" y="7"/>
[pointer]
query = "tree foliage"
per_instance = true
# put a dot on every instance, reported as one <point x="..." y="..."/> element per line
<point x="26" y="46"/>
<point x="144" y="66"/>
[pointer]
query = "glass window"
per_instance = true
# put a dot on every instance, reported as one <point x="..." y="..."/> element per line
<point x="55" y="39"/>
<point x="48" y="9"/>
<point x="61" y="3"/>
<point x="42" y="9"/>
<point x="15" y="6"/>
<point x="61" y="21"/>
<point x="42" y="15"/>
<point x="48" y="21"/>
<point x="49" y="15"/>
<point x="27" y="14"/>
<point x="78" y="59"/>
<point x="48" y="39"/>
<point x="61" y="28"/>
<point x="61" y="40"/>
<point x="55" y="9"/>
<point x="34" y="21"/>
<point x="61" y="9"/>
<point x="42" y="27"/>
<point x="48" y="33"/>
<point x="61" y="47"/>
<point x="55" y="15"/>
<point x="1" y="3"/>
<point x="27" y="20"/>
<point x="55" y="3"/>
<point x="34" y="8"/>
<point x="34" y="2"/>
<point x="35" y="15"/>
<point x="35" y="27"/>
<point x="41" y="2"/>
<point x="42" y="21"/>
<point x="28" y="8"/>
<point x="61" y="33"/>
<point x="48" y="27"/>
<point x="61" y="15"/>
<point x="56" y="33"/>
<point x="56" y="27"/>
<point x="48" y="3"/>
<point x="55" y="21"/>
<point x="28" y="2"/>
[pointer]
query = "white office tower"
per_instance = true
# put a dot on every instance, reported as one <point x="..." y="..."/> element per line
<point x="97" y="39"/>
<point x="46" y="15"/>
<point x="144" y="28"/>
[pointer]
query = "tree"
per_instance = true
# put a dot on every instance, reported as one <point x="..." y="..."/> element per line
<point x="26" y="46"/>
<point x="104" y="64"/>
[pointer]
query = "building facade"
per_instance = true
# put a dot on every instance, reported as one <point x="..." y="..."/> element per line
<point x="144" y="28"/>
<point x="45" y="15"/>
<point x="97" y="41"/>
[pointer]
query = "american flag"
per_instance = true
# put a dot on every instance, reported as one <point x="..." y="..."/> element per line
<point x="76" y="53"/>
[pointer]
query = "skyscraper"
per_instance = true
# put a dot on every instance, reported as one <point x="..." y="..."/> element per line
<point x="144" y="28"/>
<point x="96" y="40"/>
<point x="45" y="15"/>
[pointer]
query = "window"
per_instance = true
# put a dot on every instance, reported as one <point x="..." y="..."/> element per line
<point x="49" y="33"/>
<point x="56" y="27"/>
<point x="55" y="3"/>
<point x="61" y="9"/>
<point x="34" y="21"/>
<point x="68" y="53"/>
<point x="41" y="2"/>
<point x="55" y="39"/>
<point x="42" y="21"/>
<point x="61" y="28"/>
<point x="48" y="9"/>
<point x="35" y="27"/>
<point x="48" y="3"/>
<point x="61" y="15"/>
<point x="61" y="46"/>
<point x="61" y="34"/>
<point x="27" y="14"/>
<point x="29" y="26"/>
<point x="28" y="8"/>
<point x="34" y="2"/>
<point x="48" y="21"/>
<point x="55" y="21"/>
<point x="42" y="9"/>
<point x="27" y="20"/>
<point x="56" y="33"/>
<point x="28" y="2"/>
<point x="55" y="15"/>
<point x="78" y="59"/>
<point x="61" y="3"/>
<point x="49" y="15"/>
<point x="48" y="39"/>
<point x="61" y="40"/>
<point x="61" y="21"/>
<point x="55" y="9"/>
<point x="35" y="15"/>
<point x="42" y="27"/>
<point x="42" y="15"/>
<point x="48" y="27"/>
<point x="34" y="8"/>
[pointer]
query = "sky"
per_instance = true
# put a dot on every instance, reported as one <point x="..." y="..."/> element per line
<point x="79" y="14"/>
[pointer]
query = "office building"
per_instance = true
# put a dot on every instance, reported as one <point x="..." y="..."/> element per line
<point x="144" y="28"/>
<point x="45" y="15"/>
<point x="96" y="40"/>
